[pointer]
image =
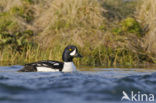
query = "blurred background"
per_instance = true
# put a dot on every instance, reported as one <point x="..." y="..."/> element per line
<point x="107" y="32"/>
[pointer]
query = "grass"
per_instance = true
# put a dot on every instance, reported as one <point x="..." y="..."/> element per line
<point x="118" y="10"/>
<point x="105" y="33"/>
<point x="97" y="57"/>
<point x="146" y="14"/>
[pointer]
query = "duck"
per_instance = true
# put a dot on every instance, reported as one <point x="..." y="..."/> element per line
<point x="69" y="53"/>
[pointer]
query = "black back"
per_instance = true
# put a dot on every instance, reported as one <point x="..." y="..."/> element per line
<point x="32" y="67"/>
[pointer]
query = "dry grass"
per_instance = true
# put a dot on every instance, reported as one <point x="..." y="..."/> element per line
<point x="72" y="20"/>
<point x="147" y="16"/>
<point x="7" y="4"/>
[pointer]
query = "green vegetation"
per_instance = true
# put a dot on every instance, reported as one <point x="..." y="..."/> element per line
<point x="129" y="25"/>
<point x="107" y="32"/>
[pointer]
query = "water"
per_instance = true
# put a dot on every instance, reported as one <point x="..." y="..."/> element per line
<point x="99" y="85"/>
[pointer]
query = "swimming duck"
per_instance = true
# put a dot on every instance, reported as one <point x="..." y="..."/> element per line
<point x="67" y="65"/>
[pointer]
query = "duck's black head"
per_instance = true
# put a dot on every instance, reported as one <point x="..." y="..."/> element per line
<point x="69" y="53"/>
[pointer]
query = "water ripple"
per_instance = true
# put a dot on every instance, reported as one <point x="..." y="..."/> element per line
<point x="84" y="87"/>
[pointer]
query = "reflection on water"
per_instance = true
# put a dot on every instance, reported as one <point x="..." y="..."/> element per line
<point x="89" y="85"/>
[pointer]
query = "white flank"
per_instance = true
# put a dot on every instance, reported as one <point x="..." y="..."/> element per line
<point x="56" y="64"/>
<point x="73" y="53"/>
<point x="69" y="67"/>
<point x="46" y="69"/>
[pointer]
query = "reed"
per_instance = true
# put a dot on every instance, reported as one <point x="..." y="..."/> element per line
<point x="100" y="56"/>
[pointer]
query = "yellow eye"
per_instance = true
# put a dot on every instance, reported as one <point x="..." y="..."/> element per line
<point x="70" y="49"/>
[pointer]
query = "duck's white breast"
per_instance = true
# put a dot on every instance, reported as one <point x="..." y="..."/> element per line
<point x="69" y="67"/>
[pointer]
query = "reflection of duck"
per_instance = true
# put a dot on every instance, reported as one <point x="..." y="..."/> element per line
<point x="52" y="66"/>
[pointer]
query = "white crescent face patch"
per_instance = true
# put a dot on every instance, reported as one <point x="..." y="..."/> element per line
<point x="73" y="52"/>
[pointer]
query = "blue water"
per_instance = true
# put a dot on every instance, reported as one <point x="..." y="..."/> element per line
<point x="101" y="85"/>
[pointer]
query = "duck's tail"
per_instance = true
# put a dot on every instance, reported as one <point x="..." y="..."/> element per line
<point x="28" y="68"/>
